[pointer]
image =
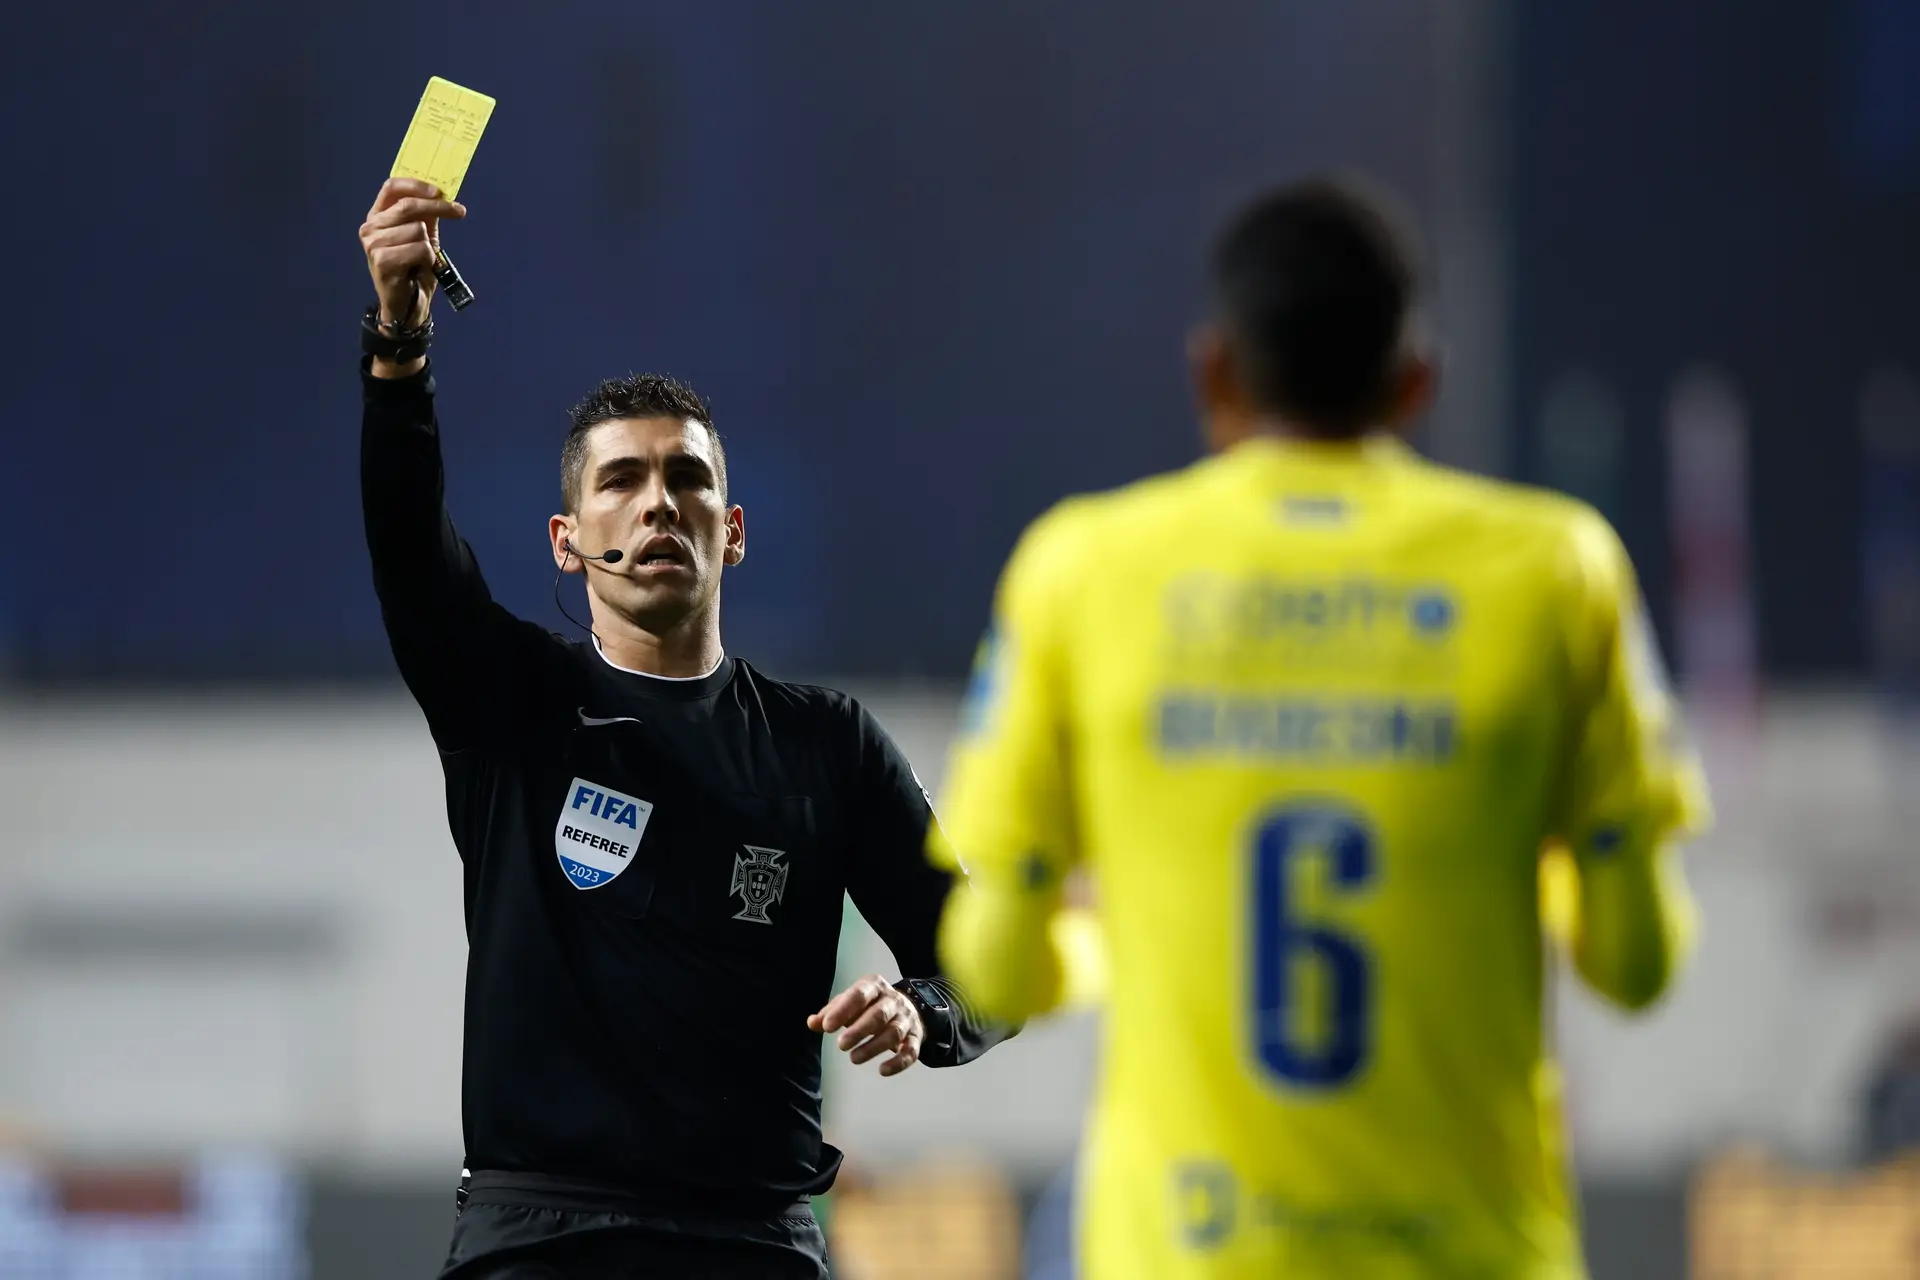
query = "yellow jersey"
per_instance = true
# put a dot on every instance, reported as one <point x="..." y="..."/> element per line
<point x="1311" y="713"/>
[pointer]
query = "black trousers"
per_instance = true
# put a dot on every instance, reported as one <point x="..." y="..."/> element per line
<point x="496" y="1237"/>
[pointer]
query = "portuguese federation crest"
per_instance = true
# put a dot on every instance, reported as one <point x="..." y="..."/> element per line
<point x="760" y="878"/>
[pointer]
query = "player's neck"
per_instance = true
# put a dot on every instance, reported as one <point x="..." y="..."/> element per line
<point x="689" y="649"/>
<point x="1296" y="436"/>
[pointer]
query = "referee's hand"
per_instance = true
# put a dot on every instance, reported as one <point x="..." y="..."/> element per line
<point x="872" y="1018"/>
<point x="401" y="238"/>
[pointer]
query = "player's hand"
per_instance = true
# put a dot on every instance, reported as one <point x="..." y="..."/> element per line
<point x="872" y="1018"/>
<point x="401" y="237"/>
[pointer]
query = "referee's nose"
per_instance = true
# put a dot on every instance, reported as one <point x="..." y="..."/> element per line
<point x="658" y="506"/>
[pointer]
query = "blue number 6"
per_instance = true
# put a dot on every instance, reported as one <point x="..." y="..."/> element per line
<point x="1279" y="939"/>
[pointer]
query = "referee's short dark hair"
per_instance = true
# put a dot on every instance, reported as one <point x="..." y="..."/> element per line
<point x="638" y="395"/>
<point x="1314" y="282"/>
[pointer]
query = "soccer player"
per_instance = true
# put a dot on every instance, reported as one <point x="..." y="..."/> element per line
<point x="656" y="838"/>
<point x="1310" y="710"/>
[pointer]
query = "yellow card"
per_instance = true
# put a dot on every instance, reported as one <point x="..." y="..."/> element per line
<point x="441" y="140"/>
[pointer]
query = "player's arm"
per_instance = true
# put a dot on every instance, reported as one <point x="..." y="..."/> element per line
<point x="1634" y="792"/>
<point x="901" y="894"/>
<point x="469" y="663"/>
<point x="1636" y="925"/>
<point x="1007" y="796"/>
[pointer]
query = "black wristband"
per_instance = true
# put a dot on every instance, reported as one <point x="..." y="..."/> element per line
<point x="397" y="343"/>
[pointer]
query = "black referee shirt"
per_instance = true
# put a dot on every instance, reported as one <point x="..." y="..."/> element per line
<point x="653" y="872"/>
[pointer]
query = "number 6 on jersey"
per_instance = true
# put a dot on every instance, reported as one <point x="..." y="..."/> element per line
<point x="1283" y="944"/>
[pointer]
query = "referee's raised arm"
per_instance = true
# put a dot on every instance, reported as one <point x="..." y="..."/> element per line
<point x="469" y="663"/>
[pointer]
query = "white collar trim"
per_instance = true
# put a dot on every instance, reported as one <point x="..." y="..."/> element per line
<point x="650" y="675"/>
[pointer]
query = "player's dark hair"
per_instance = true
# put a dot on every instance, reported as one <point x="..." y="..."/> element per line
<point x="638" y="395"/>
<point x="1314" y="282"/>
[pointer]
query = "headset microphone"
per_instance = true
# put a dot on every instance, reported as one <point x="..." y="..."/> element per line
<point x="614" y="556"/>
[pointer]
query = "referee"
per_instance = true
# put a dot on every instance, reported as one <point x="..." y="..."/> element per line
<point x="656" y="839"/>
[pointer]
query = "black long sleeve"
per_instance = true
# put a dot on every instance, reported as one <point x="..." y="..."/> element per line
<point x="902" y="894"/>
<point x="481" y="675"/>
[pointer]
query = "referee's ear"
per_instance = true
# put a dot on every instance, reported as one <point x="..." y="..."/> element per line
<point x="735" y="549"/>
<point x="560" y="532"/>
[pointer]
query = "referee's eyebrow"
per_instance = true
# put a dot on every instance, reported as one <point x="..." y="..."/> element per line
<point x="633" y="462"/>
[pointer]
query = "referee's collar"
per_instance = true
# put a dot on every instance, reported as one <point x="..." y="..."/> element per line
<point x="682" y="686"/>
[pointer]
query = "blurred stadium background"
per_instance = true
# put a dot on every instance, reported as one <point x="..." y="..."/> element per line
<point x="933" y="265"/>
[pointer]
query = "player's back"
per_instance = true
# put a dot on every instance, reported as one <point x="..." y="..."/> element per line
<point x="1317" y="702"/>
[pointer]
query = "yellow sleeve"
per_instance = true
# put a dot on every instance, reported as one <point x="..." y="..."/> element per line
<point x="1633" y="786"/>
<point x="1006" y="806"/>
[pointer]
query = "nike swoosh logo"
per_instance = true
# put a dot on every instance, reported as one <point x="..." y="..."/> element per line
<point x="593" y="720"/>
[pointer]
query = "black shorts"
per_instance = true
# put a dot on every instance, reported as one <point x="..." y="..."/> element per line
<point x="517" y="1227"/>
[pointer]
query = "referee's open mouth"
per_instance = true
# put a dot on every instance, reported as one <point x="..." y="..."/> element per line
<point x="662" y="554"/>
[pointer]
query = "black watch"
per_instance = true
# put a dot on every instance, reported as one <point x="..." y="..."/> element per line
<point x="924" y="994"/>
<point x="930" y="1000"/>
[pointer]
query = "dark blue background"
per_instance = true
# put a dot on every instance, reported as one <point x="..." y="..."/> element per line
<point x="933" y="267"/>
